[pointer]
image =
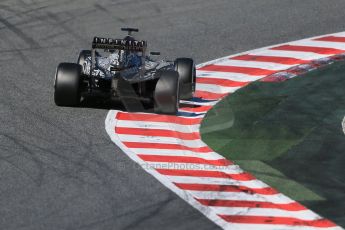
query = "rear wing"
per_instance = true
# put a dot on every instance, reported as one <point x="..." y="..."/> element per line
<point x="116" y="44"/>
<point x="121" y="44"/>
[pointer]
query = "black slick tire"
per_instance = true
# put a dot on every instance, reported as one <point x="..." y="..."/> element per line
<point x="67" y="84"/>
<point x="166" y="95"/>
<point x="187" y="74"/>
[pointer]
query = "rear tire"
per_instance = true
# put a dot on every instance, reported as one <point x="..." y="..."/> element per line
<point x="166" y="95"/>
<point x="67" y="84"/>
<point x="186" y="70"/>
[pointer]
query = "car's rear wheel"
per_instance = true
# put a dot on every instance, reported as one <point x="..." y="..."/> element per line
<point x="186" y="70"/>
<point x="67" y="84"/>
<point x="166" y="95"/>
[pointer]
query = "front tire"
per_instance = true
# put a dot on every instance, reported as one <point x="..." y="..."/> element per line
<point x="186" y="70"/>
<point x="166" y="95"/>
<point x="67" y="84"/>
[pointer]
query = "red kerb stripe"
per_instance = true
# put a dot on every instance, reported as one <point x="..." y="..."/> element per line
<point x="221" y="82"/>
<point x="208" y="95"/>
<point x="227" y="188"/>
<point x="293" y="206"/>
<point x="203" y="173"/>
<point x="184" y="159"/>
<point x="157" y="132"/>
<point x="321" y="223"/>
<point x="157" y="118"/>
<point x="331" y="39"/>
<point x="280" y="60"/>
<point x="238" y="69"/>
<point x="203" y="149"/>
<point x="318" y="50"/>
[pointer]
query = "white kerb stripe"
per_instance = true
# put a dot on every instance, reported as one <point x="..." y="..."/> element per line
<point x="217" y="181"/>
<point x="216" y="88"/>
<point x="240" y="77"/>
<point x="230" y="169"/>
<point x="198" y="103"/>
<point x="255" y="64"/>
<point x="238" y="226"/>
<point x="177" y="153"/>
<point x="158" y="125"/>
<point x="302" y="214"/>
<point x="320" y="44"/>
<point x="307" y="56"/>
<point x="241" y="196"/>
<point x="161" y="140"/>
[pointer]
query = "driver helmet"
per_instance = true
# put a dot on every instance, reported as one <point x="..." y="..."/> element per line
<point x="134" y="59"/>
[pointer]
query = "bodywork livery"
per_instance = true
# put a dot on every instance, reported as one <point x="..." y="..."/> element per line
<point x="124" y="72"/>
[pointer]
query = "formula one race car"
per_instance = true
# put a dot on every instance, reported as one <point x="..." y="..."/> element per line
<point x="125" y="74"/>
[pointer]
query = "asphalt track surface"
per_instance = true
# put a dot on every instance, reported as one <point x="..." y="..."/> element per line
<point x="58" y="167"/>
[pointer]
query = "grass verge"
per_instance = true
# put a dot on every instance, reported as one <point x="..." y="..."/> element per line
<point x="289" y="135"/>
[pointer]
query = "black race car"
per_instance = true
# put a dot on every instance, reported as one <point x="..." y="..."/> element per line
<point x="125" y="73"/>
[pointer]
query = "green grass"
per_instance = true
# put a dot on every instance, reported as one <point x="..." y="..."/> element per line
<point x="289" y="135"/>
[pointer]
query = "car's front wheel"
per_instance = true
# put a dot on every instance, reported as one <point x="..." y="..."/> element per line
<point x="67" y="84"/>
